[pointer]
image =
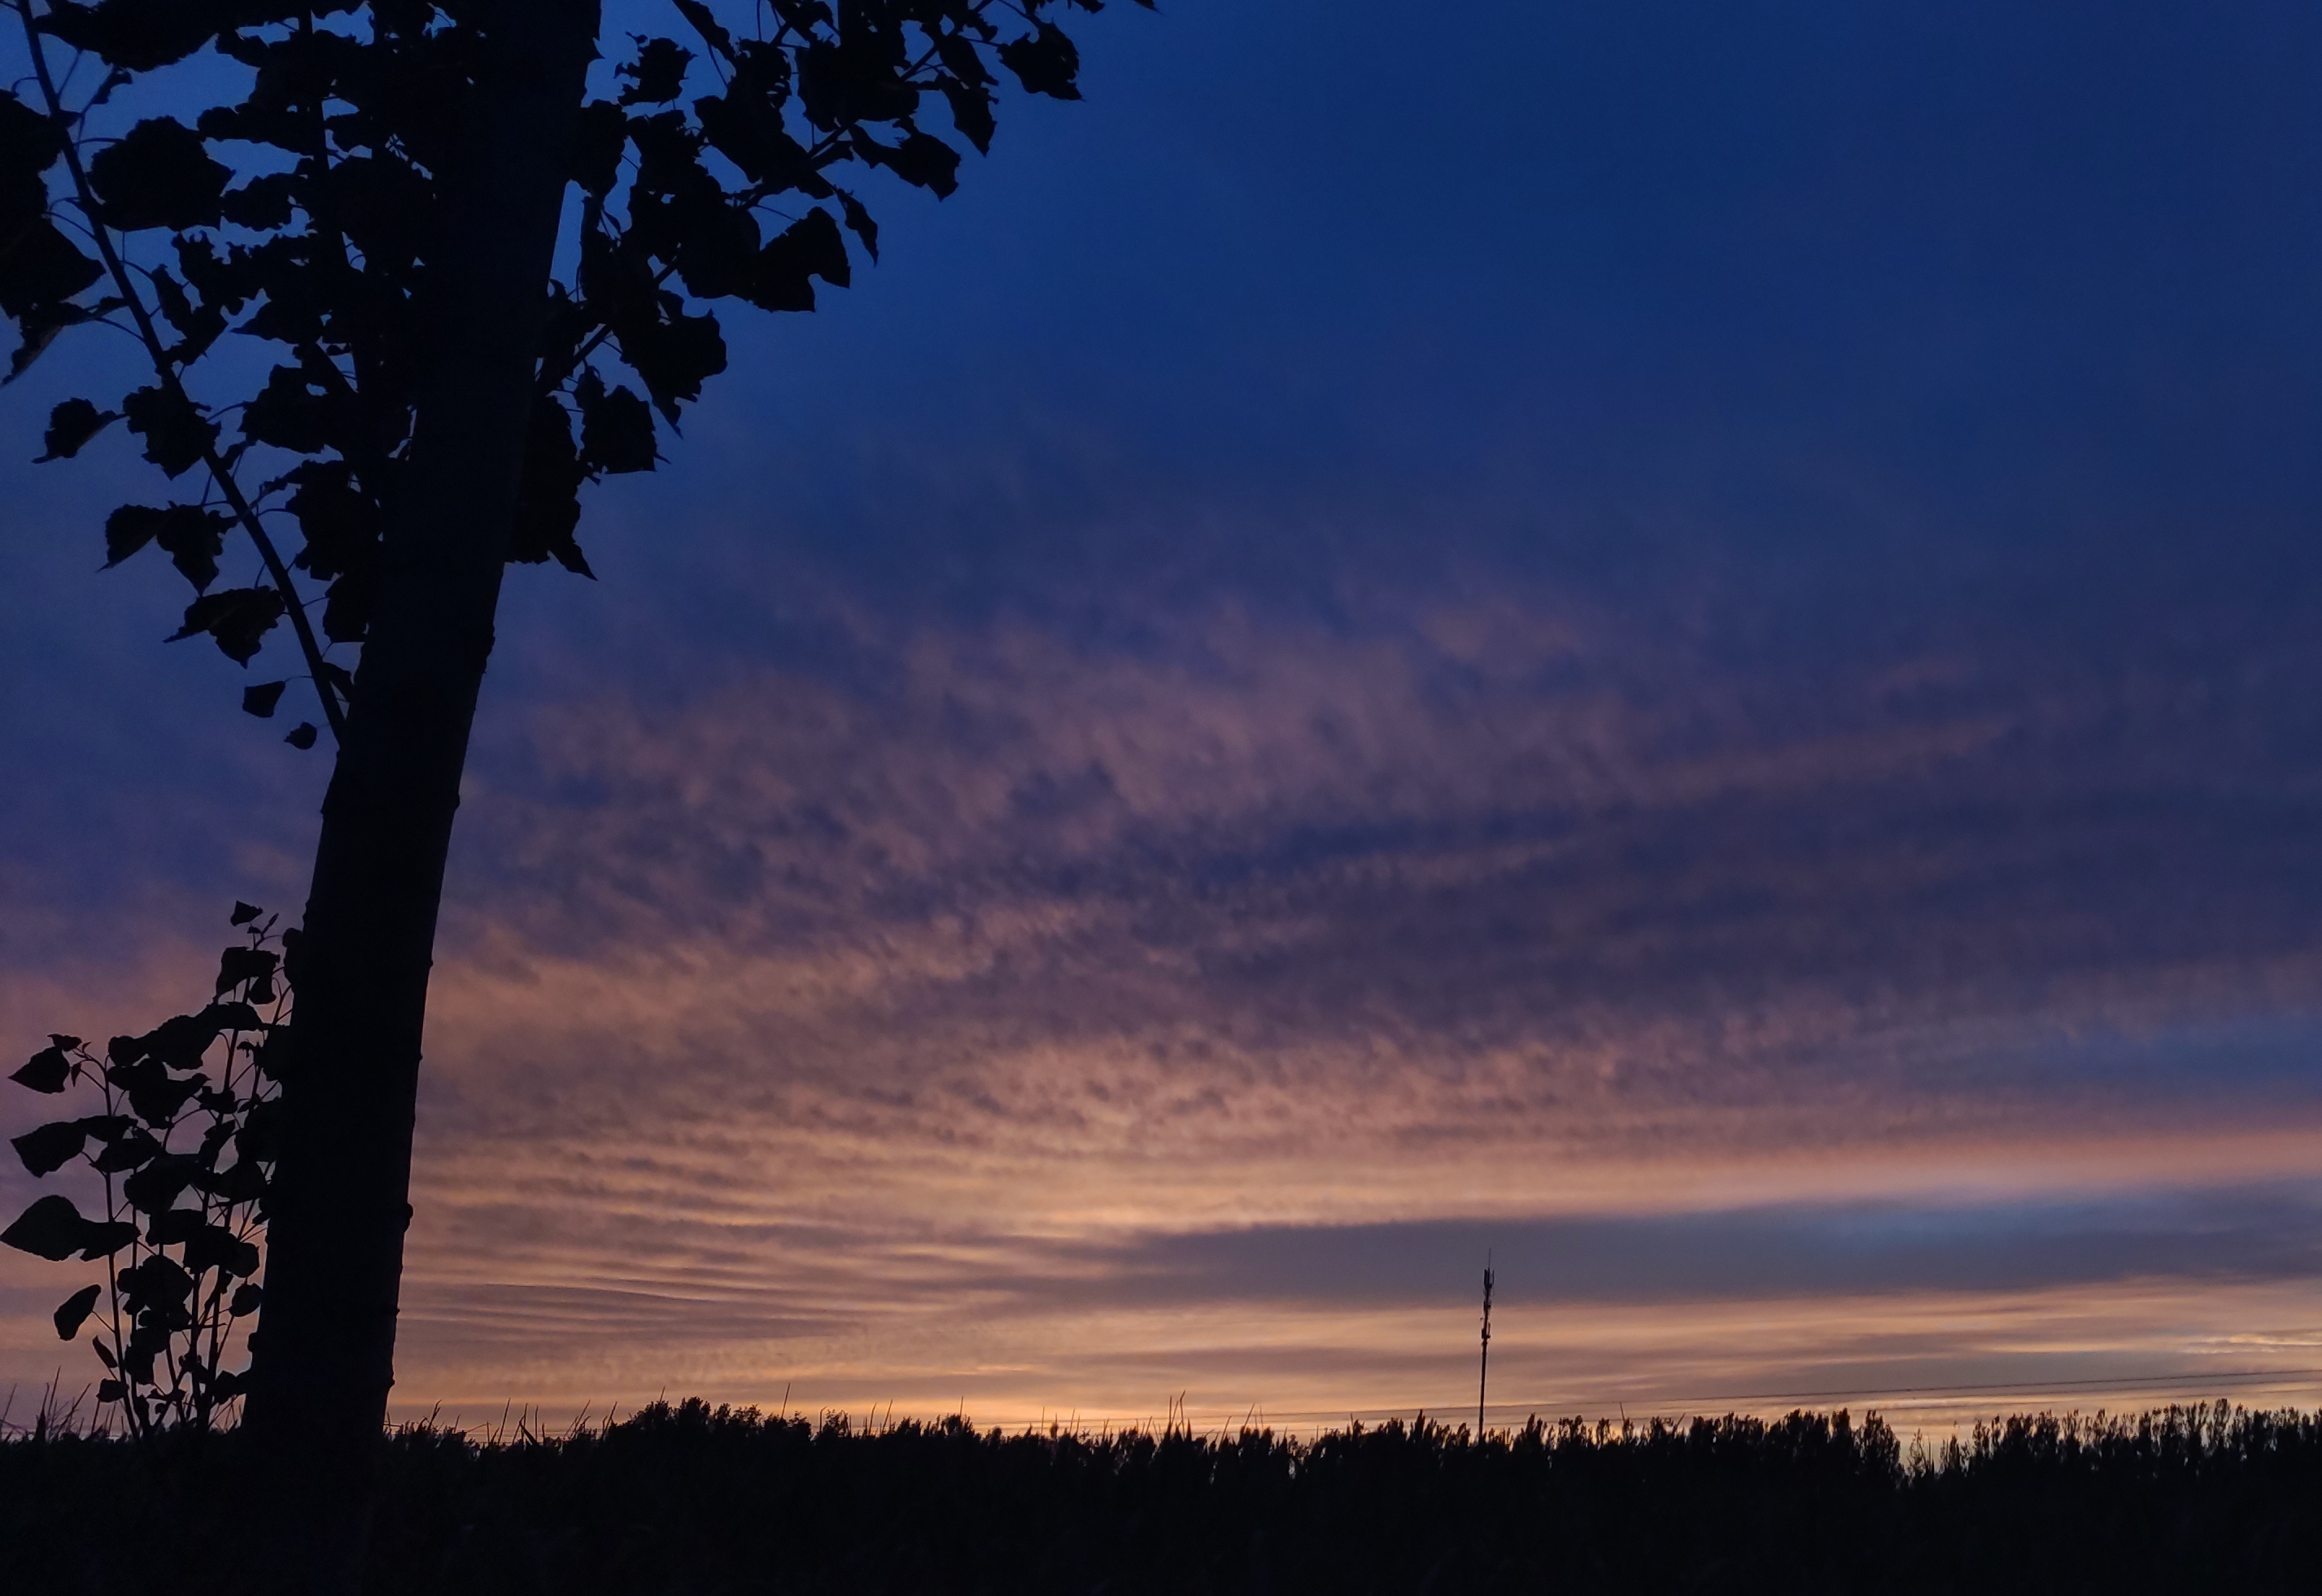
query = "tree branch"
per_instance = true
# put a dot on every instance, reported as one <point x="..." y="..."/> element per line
<point x="293" y="604"/>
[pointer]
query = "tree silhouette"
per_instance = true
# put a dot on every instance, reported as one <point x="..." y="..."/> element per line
<point x="380" y="208"/>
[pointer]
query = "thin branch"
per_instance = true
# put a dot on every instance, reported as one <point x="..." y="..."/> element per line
<point x="243" y="513"/>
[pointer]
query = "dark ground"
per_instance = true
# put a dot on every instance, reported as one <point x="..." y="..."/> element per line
<point x="702" y="1501"/>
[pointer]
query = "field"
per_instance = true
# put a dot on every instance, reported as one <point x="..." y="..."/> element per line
<point x="699" y="1501"/>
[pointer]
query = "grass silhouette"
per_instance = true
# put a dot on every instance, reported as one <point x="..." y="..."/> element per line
<point x="693" y="1498"/>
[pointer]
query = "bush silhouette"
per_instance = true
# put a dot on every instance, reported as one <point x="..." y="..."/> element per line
<point x="181" y="1145"/>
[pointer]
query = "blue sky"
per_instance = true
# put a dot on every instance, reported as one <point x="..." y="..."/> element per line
<point x="1669" y="634"/>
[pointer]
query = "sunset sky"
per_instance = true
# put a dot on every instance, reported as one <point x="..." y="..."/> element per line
<point x="1682" y="640"/>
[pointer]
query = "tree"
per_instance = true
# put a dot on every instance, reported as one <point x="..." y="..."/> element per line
<point x="386" y="223"/>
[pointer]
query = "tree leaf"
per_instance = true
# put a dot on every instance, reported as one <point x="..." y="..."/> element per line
<point x="244" y="913"/>
<point x="217" y="1247"/>
<point x="245" y="1299"/>
<point x="1045" y="63"/>
<point x="155" y="1281"/>
<point x="73" y="1312"/>
<point x="971" y="112"/>
<point x="177" y="436"/>
<point x="657" y="76"/>
<point x="288" y="413"/>
<point x="158" y="175"/>
<point x="52" y="1228"/>
<point x="616" y="430"/>
<point x="47" y="1071"/>
<point x="51" y="1147"/>
<point x="191" y="536"/>
<point x="30" y="143"/>
<point x="921" y="160"/>
<point x="237" y="965"/>
<point x="238" y="617"/>
<point x="155" y="1186"/>
<point x="132" y="1148"/>
<point x="259" y="701"/>
<point x="71" y="424"/>
<point x="597" y="147"/>
<point x="302" y="736"/>
<point x="42" y="267"/>
<point x="138" y="34"/>
<point x="809" y="247"/>
<point x="713" y="33"/>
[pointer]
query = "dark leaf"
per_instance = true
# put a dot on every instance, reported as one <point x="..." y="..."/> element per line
<point x="287" y="414"/>
<point x="105" y="1238"/>
<point x="260" y="205"/>
<point x="597" y="147"/>
<point x="859" y="222"/>
<point x="235" y="966"/>
<point x="549" y="505"/>
<point x="156" y="1186"/>
<point x="41" y="324"/>
<point x="339" y="520"/>
<point x="156" y="1281"/>
<point x="73" y="1312"/>
<point x="110" y="1390"/>
<point x="921" y="160"/>
<point x="52" y="1147"/>
<point x="302" y="736"/>
<point x="158" y="175"/>
<point x="809" y="247"/>
<point x="47" y="1071"/>
<point x="133" y="1149"/>
<point x="244" y="913"/>
<point x="238" y="617"/>
<point x="273" y="1055"/>
<point x="1045" y="63"/>
<point x="217" y="1247"/>
<point x="174" y="1227"/>
<point x="180" y="1041"/>
<point x="50" y="1228"/>
<point x="616" y="430"/>
<point x="713" y="33"/>
<point x="242" y="1181"/>
<point x="138" y="34"/>
<point x="190" y="535"/>
<point x="245" y="1299"/>
<point x="71" y="424"/>
<point x="42" y="267"/>
<point x="971" y="112"/>
<point x="198" y="326"/>
<point x="658" y="74"/>
<point x="28" y="142"/>
<point x="241" y="1017"/>
<point x="674" y="358"/>
<point x="749" y="132"/>
<point x="259" y="701"/>
<point x="177" y="436"/>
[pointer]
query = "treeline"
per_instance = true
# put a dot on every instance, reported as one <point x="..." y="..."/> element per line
<point x="701" y="1501"/>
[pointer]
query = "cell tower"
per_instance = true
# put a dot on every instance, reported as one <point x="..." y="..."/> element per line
<point x="1484" y="1363"/>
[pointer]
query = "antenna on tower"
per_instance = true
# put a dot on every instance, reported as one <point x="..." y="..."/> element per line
<point x="1483" y="1363"/>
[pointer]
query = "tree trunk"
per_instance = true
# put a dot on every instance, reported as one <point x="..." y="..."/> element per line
<point x="324" y="1349"/>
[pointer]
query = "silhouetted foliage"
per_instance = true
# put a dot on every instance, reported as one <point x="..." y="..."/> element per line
<point x="376" y="203"/>
<point x="716" y="170"/>
<point x="695" y="1499"/>
<point x="182" y="1146"/>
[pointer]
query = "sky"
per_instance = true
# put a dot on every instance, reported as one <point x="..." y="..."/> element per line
<point x="1674" y="641"/>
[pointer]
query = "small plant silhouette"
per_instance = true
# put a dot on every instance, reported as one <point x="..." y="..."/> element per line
<point x="183" y="1142"/>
